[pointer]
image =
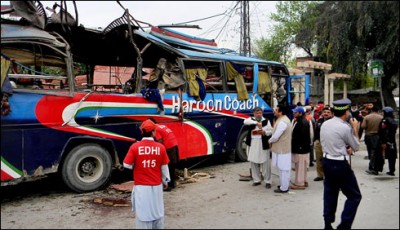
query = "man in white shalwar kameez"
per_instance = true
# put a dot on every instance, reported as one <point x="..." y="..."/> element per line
<point x="258" y="154"/>
<point x="149" y="161"/>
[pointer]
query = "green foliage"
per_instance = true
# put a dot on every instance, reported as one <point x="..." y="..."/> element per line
<point x="270" y="49"/>
<point x="291" y="63"/>
<point x="80" y="69"/>
<point x="349" y="34"/>
<point x="346" y="34"/>
<point x="290" y="20"/>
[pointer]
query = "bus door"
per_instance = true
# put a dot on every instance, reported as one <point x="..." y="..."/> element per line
<point x="262" y="85"/>
<point x="258" y="83"/>
<point x="298" y="89"/>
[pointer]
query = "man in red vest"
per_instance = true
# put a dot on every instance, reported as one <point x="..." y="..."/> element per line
<point x="165" y="136"/>
<point x="149" y="161"/>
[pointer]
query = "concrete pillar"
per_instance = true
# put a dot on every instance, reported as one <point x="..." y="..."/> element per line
<point x="326" y="88"/>
<point x="331" y="89"/>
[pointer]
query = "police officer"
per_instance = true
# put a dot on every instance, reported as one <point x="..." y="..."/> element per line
<point x="339" y="139"/>
<point x="387" y="136"/>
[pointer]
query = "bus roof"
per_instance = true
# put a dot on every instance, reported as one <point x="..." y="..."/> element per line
<point x="105" y="48"/>
<point x="226" y="57"/>
<point x="12" y="32"/>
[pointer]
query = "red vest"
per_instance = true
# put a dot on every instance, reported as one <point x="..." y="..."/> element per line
<point x="147" y="157"/>
<point x="166" y="135"/>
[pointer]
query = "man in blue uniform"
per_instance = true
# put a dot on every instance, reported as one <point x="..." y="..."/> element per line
<point x="339" y="138"/>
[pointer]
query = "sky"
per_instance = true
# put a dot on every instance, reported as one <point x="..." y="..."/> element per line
<point x="225" y="29"/>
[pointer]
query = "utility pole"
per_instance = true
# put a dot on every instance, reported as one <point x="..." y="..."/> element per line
<point x="244" y="29"/>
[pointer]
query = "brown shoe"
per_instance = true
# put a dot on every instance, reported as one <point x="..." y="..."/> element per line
<point x="298" y="187"/>
<point x="305" y="184"/>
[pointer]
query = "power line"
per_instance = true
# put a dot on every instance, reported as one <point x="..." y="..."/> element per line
<point x="213" y="27"/>
<point x="258" y="19"/>
<point x="223" y="34"/>
<point x="201" y="19"/>
<point x="230" y="15"/>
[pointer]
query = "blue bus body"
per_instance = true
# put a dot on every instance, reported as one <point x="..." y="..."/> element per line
<point x="83" y="131"/>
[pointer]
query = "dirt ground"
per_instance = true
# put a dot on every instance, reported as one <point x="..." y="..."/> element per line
<point x="215" y="199"/>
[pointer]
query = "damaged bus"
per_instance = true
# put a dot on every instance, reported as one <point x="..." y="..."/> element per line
<point x="73" y="98"/>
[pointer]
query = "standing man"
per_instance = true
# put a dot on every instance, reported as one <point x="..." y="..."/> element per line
<point x="318" y="110"/>
<point x="280" y="143"/>
<point x="371" y="125"/>
<point x="149" y="161"/>
<point x="356" y="113"/>
<point x="338" y="140"/>
<point x="364" y="110"/>
<point x="310" y="118"/>
<point x="165" y="136"/>
<point x="274" y="101"/>
<point x="326" y="115"/>
<point x="387" y="137"/>
<point x="301" y="147"/>
<point x="258" y="152"/>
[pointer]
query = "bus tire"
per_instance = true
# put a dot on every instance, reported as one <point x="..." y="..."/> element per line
<point x="241" y="154"/>
<point x="87" y="168"/>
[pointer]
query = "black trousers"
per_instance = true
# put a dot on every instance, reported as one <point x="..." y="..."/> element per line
<point x="391" y="155"/>
<point x="392" y="164"/>
<point x="372" y="143"/>
<point x="173" y="155"/>
<point x="340" y="177"/>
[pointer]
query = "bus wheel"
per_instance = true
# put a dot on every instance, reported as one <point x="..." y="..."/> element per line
<point x="241" y="148"/>
<point x="87" y="168"/>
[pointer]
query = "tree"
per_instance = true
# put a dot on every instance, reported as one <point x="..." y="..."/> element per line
<point x="349" y="34"/>
<point x="292" y="18"/>
<point x="346" y="34"/>
<point x="271" y="49"/>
